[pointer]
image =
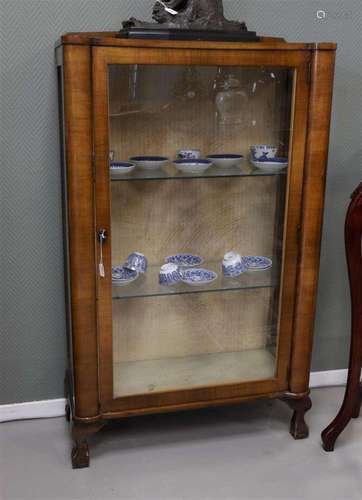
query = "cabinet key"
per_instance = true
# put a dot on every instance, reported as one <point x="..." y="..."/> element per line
<point x="102" y="236"/>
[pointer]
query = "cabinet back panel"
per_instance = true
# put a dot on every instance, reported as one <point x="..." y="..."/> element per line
<point x="161" y="109"/>
<point x="158" y="219"/>
<point x="203" y="216"/>
<point x="188" y="325"/>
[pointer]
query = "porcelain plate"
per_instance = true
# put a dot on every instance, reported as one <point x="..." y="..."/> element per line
<point x="198" y="277"/>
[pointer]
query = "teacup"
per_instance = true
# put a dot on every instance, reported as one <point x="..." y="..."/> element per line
<point x="188" y="154"/>
<point x="263" y="151"/>
<point x="136" y="262"/>
<point x="169" y="274"/>
<point x="233" y="265"/>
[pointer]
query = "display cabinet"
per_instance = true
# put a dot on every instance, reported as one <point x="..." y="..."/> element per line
<point x="137" y="346"/>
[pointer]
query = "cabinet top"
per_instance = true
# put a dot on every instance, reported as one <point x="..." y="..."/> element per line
<point x="112" y="39"/>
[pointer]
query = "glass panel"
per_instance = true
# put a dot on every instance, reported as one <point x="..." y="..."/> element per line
<point x="182" y="336"/>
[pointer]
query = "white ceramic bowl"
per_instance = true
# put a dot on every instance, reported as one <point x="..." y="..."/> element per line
<point x="263" y="151"/>
<point x="225" y="160"/>
<point x="188" y="154"/>
<point x="271" y="165"/>
<point x="169" y="274"/>
<point x="232" y="265"/>
<point x="149" y="162"/>
<point x="120" y="168"/>
<point x="231" y="259"/>
<point x="192" y="166"/>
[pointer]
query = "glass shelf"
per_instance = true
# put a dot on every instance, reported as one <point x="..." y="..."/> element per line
<point x="147" y="285"/>
<point x="170" y="172"/>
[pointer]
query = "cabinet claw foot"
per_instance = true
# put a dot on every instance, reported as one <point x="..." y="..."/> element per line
<point x="80" y="455"/>
<point x="80" y="434"/>
<point x="298" y="426"/>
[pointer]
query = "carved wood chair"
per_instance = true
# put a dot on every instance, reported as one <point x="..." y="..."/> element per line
<point x="353" y="397"/>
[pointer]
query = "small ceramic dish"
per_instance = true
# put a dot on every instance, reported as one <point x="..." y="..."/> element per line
<point x="197" y="277"/>
<point x="136" y="262"/>
<point x="149" y="162"/>
<point x="193" y="166"/>
<point x="257" y="263"/>
<point x="169" y="274"/>
<point x="184" y="260"/>
<point x="225" y="160"/>
<point x="188" y="154"/>
<point x="263" y="151"/>
<point x="120" y="168"/>
<point x="233" y="265"/>
<point x="272" y="165"/>
<point x="123" y="276"/>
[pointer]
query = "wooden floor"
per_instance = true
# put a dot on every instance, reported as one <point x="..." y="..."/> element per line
<point x="168" y="374"/>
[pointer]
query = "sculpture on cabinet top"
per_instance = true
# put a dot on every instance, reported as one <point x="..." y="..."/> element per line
<point x="188" y="14"/>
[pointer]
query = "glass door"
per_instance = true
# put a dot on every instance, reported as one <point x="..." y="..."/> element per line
<point x="199" y="165"/>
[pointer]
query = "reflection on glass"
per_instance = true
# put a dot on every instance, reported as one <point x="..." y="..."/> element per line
<point x="230" y="100"/>
<point x="181" y="337"/>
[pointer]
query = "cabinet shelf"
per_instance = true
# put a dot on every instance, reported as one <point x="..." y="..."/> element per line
<point x="170" y="172"/>
<point x="147" y="285"/>
<point x="170" y="374"/>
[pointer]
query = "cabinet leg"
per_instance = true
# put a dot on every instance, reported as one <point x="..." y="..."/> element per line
<point x="80" y="454"/>
<point x="357" y="409"/>
<point x="67" y="412"/>
<point x="299" y="405"/>
<point x="80" y="451"/>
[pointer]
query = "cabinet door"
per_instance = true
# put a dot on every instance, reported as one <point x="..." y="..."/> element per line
<point x="193" y="343"/>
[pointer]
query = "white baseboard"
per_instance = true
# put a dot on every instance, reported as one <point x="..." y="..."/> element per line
<point x="55" y="407"/>
<point x="328" y="378"/>
<point x="33" y="409"/>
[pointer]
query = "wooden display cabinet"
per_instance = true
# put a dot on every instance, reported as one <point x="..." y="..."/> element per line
<point x="144" y="347"/>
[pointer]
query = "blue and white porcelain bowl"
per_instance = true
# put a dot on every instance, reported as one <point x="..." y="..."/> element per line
<point x="263" y="151"/>
<point x="136" y="262"/>
<point x="225" y="160"/>
<point x="233" y="265"/>
<point x="188" y="154"/>
<point x="194" y="166"/>
<point x="123" y="276"/>
<point x="169" y="274"/>
<point x="120" y="168"/>
<point x="185" y="260"/>
<point x="149" y="162"/>
<point x="270" y="165"/>
<point x="257" y="263"/>
<point x="198" y="277"/>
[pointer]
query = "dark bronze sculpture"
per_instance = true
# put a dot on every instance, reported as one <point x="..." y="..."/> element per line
<point x="189" y="14"/>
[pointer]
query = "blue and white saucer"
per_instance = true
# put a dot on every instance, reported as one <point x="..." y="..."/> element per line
<point x="185" y="260"/>
<point x="198" y="277"/>
<point x="270" y="164"/>
<point x="123" y="276"/>
<point x="257" y="263"/>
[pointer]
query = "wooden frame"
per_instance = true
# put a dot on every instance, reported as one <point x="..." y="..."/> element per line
<point x="102" y="57"/>
<point x="86" y="57"/>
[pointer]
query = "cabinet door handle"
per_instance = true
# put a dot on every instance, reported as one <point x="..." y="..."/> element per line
<point x="102" y="236"/>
